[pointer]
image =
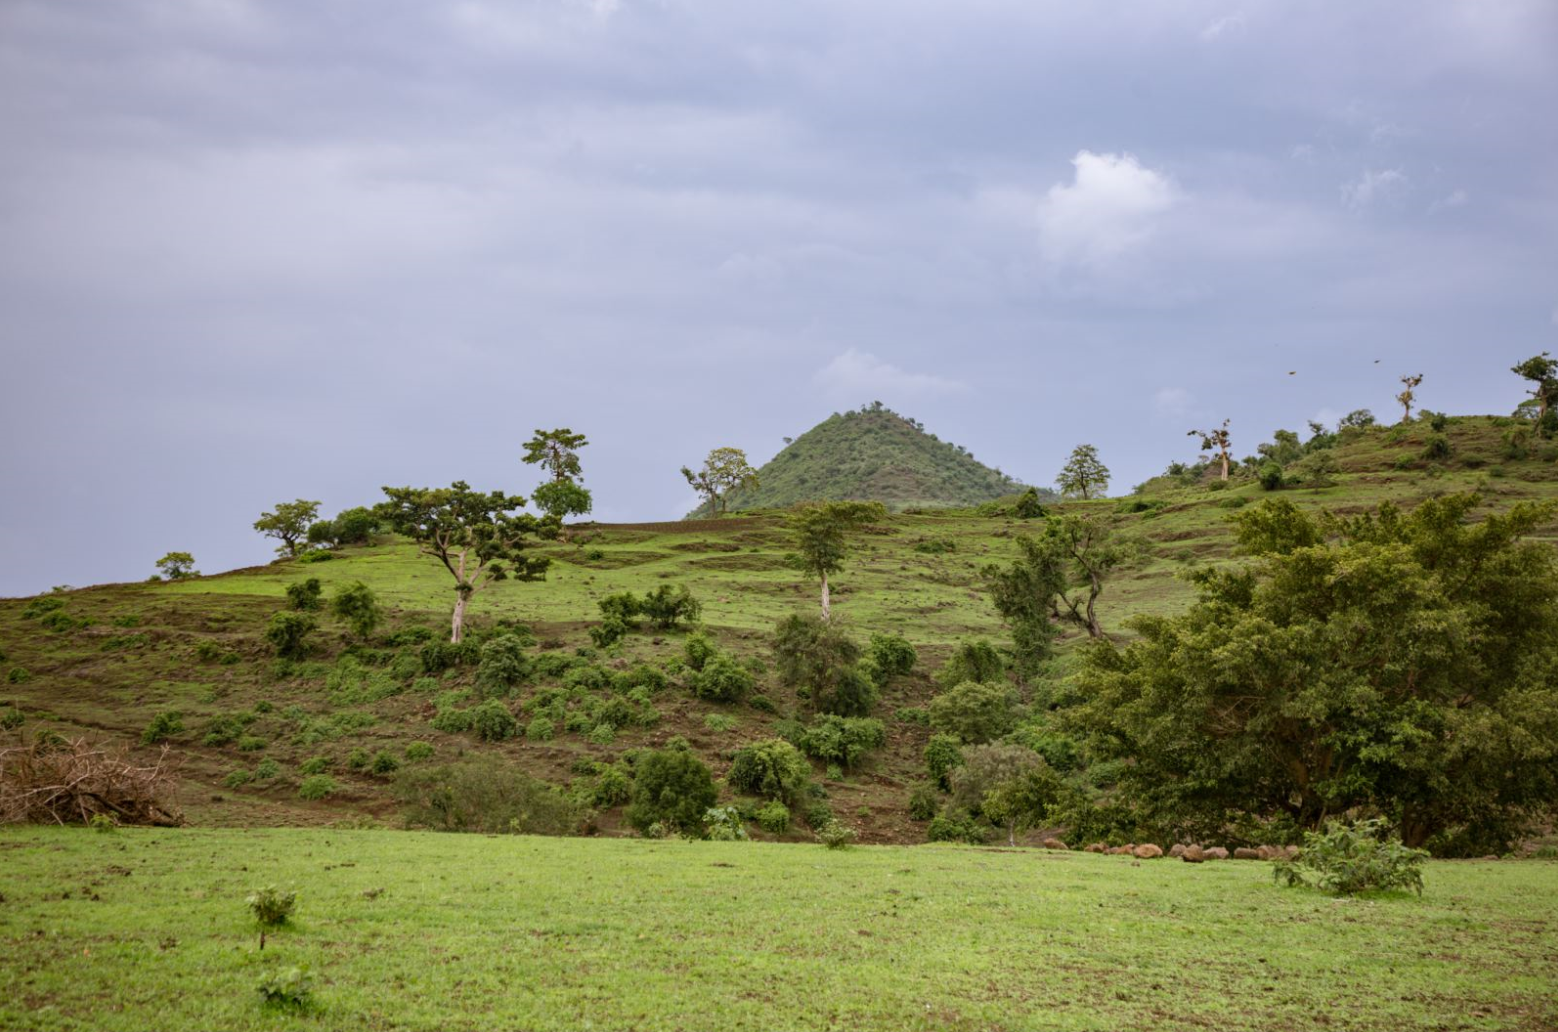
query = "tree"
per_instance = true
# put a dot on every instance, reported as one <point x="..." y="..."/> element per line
<point x="1085" y="550"/>
<point x="558" y="452"/>
<point x="1083" y="473"/>
<point x="477" y="537"/>
<point x="178" y="566"/>
<point x="1397" y="663"/>
<point x="820" y="534"/>
<point x="288" y="524"/>
<point x="356" y="604"/>
<point x="1028" y="506"/>
<point x="1542" y="371"/>
<point x="1011" y="786"/>
<point x="1024" y="596"/>
<point x="723" y="471"/>
<point x="815" y="656"/>
<point x="1216" y="441"/>
<point x="1407" y="396"/>
<point x="671" y="788"/>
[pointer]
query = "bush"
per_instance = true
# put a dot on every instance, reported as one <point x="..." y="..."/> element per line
<point x="818" y="659"/>
<point x="317" y="787"/>
<point x="672" y="788"/>
<point x="504" y="665"/>
<point x="667" y="606"/>
<point x="602" y="733"/>
<point x="11" y="718"/>
<point x="492" y="722"/>
<point x="943" y="755"/>
<point x="163" y="727"/>
<point x="1347" y="860"/>
<point x="541" y="729"/>
<point x="723" y="824"/>
<point x="1028" y="506"/>
<point x="383" y="763"/>
<point x="314" y="765"/>
<point x="608" y="632"/>
<point x="698" y="650"/>
<point x="818" y="815"/>
<point x="972" y="661"/>
<point x="288" y="988"/>
<point x="773" y="817"/>
<point x="1271" y="476"/>
<point x="975" y="712"/>
<point x="18" y="675"/>
<point x="924" y="801"/>
<point x="891" y="656"/>
<point x="266" y="770"/>
<point x="721" y="679"/>
<point x="315" y="555"/>
<point x="773" y="769"/>
<point x="1436" y="447"/>
<point x="844" y="740"/>
<point x="913" y="715"/>
<point x="957" y="826"/>
<point x="41" y="605"/>
<point x="836" y="835"/>
<point x="354" y="526"/>
<point x="287" y="634"/>
<point x="483" y="794"/>
<point x="438" y="656"/>
<point x="357" y="606"/>
<point x="238" y="778"/>
<point x="613" y="786"/>
<point x="719" y="723"/>
<point x="303" y="596"/>
<point x="250" y="743"/>
<point x="419" y="751"/>
<point x="271" y="907"/>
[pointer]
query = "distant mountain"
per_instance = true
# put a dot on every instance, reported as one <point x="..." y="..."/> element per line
<point x="874" y="454"/>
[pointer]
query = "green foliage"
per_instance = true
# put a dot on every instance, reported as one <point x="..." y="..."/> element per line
<point x="438" y="656"/>
<point x="288" y="988"/>
<point x="975" y="712"/>
<point x="559" y="499"/>
<point x="354" y="526"/>
<point x="1029" y="507"/>
<point x="957" y="826"/>
<point x="842" y="740"/>
<point x="773" y="817"/>
<point x="504" y="665"/>
<point x="316" y="787"/>
<point x="924" y="802"/>
<point x="18" y="675"/>
<point x="721" y="679"/>
<point x="310" y="556"/>
<point x="836" y="835"/>
<point x="288" y="523"/>
<point x="723" y="824"/>
<point x="772" y="768"/>
<point x="540" y="729"/>
<point x="818" y="658"/>
<point x="267" y="770"/>
<point x="272" y="907"/>
<point x="287" y="633"/>
<point x="314" y="765"/>
<point x="1436" y="447"/>
<point x="671" y="788"/>
<point x="357" y="605"/>
<point x="492" y="722"/>
<point x="698" y="650"/>
<point x="11" y="718"/>
<point x="1399" y="662"/>
<point x="891" y="656"/>
<point x="719" y="723"/>
<point x="943" y="755"/>
<point x="971" y="661"/>
<point x="238" y="778"/>
<point x="419" y="751"/>
<point x="820" y="533"/>
<point x="1083" y="475"/>
<point x="723" y="471"/>
<point x="483" y="794"/>
<point x="178" y="566"/>
<point x="613" y="786"/>
<point x="304" y="595"/>
<point x="1010" y="786"/>
<point x="1270" y="476"/>
<point x="667" y="606"/>
<point x="1349" y="859"/>
<point x="609" y="631"/>
<point x="163" y="726"/>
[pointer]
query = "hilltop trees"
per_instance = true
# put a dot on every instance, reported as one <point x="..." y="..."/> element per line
<point x="820" y="534"/>
<point x="1084" y="474"/>
<point x="557" y="451"/>
<point x="1217" y="441"/>
<point x="288" y="524"/>
<point x="178" y="566"/>
<point x="722" y="472"/>
<point x="1542" y="372"/>
<point x="1397" y="662"/>
<point x="1407" y="396"/>
<point x="476" y="536"/>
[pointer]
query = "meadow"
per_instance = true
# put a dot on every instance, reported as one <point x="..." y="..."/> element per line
<point x="139" y="929"/>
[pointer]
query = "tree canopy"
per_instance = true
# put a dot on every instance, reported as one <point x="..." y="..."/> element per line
<point x="289" y="524"/>
<point x="820" y="534"/>
<point x="724" y="470"/>
<point x="1084" y="474"/>
<point x="557" y="451"/>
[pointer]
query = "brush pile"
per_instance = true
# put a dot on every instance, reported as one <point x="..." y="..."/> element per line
<point x="53" y="780"/>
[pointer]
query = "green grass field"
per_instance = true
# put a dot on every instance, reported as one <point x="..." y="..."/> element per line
<point x="147" y="929"/>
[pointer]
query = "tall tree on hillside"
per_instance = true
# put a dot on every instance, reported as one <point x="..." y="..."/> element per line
<point x="1407" y="395"/>
<point x="1084" y="474"/>
<point x="557" y="451"/>
<point x="821" y="535"/>
<point x="1217" y="441"/>
<point x="1542" y="371"/>
<point x="1085" y="550"/>
<point x="288" y="524"/>
<point x="478" y="537"/>
<point x="1023" y="593"/>
<point x="723" y="471"/>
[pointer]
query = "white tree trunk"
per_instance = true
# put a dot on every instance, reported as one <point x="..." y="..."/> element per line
<point x="826" y="601"/>
<point x="458" y="624"/>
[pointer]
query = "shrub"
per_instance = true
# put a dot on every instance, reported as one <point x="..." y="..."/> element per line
<point x="438" y="656"/>
<point x="671" y="787"/>
<point x="383" y="763"/>
<point x="971" y="661"/>
<point x="287" y="634"/>
<point x="956" y="826"/>
<point x="288" y="988"/>
<point x="1436" y="421"/>
<point x="317" y="787"/>
<point x="844" y="740"/>
<point x="602" y="734"/>
<point x="238" y="778"/>
<point x="541" y="729"/>
<point x="266" y="770"/>
<point x="772" y="768"/>
<point x="162" y="727"/>
<point x="943" y="755"/>
<point x="924" y="801"/>
<point x="763" y="704"/>
<point x="721" y="679"/>
<point x="419" y="751"/>
<point x="313" y="765"/>
<point x="608" y="632"/>
<point x="1346" y="860"/>
<point x="773" y="817"/>
<point x="891" y="656"/>
<point x="818" y="814"/>
<point x="817" y="658"/>
<point x="492" y="722"/>
<point x="667" y="606"/>
<point x="315" y="555"/>
<point x="914" y="715"/>
<point x="357" y="606"/>
<point x="41" y="605"/>
<point x="1028" y="506"/>
<point x="354" y="526"/>
<point x="303" y="596"/>
<point x="975" y="712"/>
<point x="11" y="718"/>
<point x="836" y="835"/>
<point x="504" y="665"/>
<point x="1436" y="447"/>
<point x="698" y="650"/>
<point x="1271" y="476"/>
<point x="483" y="794"/>
<point x="723" y="824"/>
<point x="613" y="786"/>
<point x="18" y="675"/>
<point x="250" y="743"/>
<point x="716" y="722"/>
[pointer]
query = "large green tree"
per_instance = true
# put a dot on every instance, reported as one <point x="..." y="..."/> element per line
<point x="1402" y="663"/>
<point x="1217" y="442"/>
<point x="1084" y="474"/>
<point x="1023" y="593"/>
<point x="1541" y="371"/>
<point x="820" y="534"/>
<point x="288" y="524"/>
<point x="557" y="452"/>
<point x="479" y="538"/>
<point x="724" y="470"/>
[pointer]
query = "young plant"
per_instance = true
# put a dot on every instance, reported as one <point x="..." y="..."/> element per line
<point x="271" y="908"/>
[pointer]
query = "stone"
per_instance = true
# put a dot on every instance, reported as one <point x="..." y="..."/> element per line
<point x="1054" y="843"/>
<point x="1095" y="847"/>
<point x="1216" y="853"/>
<point x="1148" y="851"/>
<point x="1193" y="855"/>
<point x="1246" y="853"/>
<point x="1177" y="850"/>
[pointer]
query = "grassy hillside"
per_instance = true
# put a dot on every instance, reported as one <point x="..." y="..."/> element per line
<point x="148" y="929"/>
<point x="113" y="657"/>
<point x="873" y="455"/>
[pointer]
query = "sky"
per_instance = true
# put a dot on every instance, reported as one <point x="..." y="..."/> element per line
<point x="251" y="252"/>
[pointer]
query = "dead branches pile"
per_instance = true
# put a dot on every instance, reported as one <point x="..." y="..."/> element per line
<point x="58" y="781"/>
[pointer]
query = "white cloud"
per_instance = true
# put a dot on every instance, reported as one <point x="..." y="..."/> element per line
<point x="1456" y="199"/>
<point x="859" y="376"/>
<point x="1303" y="152"/>
<point x="1106" y="211"/>
<point x="1173" y="401"/>
<point x="1217" y="27"/>
<point x="1375" y="187"/>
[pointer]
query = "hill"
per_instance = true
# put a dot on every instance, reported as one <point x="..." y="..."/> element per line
<point x="874" y="454"/>
<point x="106" y="661"/>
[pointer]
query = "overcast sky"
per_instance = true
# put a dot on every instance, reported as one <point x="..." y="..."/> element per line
<point x="255" y="251"/>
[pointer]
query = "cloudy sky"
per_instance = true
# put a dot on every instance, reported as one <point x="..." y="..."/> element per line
<point x="251" y="251"/>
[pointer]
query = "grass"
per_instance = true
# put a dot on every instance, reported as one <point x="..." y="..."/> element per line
<point x="148" y="929"/>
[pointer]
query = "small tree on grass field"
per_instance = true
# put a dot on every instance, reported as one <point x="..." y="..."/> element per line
<point x="288" y="524"/>
<point x="1408" y="395"/>
<point x="820" y="534"/>
<point x="178" y="566"/>
<point x="1084" y="473"/>
<point x="1542" y="373"/>
<point x="1218" y="442"/>
<point x="722" y="472"/>
<point x="356" y="604"/>
<point x="557" y="451"/>
<point x="477" y="537"/>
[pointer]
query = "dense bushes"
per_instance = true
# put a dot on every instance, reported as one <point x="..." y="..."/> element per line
<point x="889" y="656"/>
<point x="943" y="755"/>
<point x="972" y="661"/>
<point x="287" y="633"/>
<point x="672" y="789"/>
<point x="975" y="712"/>
<point x="357" y="606"/>
<point x="842" y="740"/>
<point x="504" y="665"/>
<point x="721" y="679"/>
<point x="304" y="595"/>
<point x="818" y="659"/>
<point x="773" y="768"/>
<point x="483" y="794"/>
<point x="1348" y="860"/>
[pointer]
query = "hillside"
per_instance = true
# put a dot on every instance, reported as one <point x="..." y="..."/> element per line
<point x="106" y="661"/>
<point x="873" y="454"/>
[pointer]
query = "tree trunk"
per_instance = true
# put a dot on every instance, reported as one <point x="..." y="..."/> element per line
<point x="1093" y="628"/>
<point x="458" y="624"/>
<point x="1225" y="465"/>
<point x="1011" y="835"/>
<point x="826" y="601"/>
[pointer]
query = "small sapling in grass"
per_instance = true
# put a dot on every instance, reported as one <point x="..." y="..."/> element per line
<point x="272" y="908"/>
